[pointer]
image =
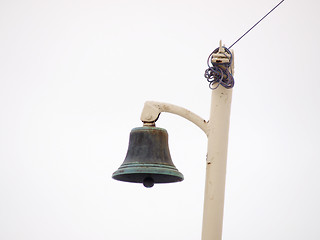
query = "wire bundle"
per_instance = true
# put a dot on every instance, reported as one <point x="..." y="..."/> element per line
<point x="219" y="72"/>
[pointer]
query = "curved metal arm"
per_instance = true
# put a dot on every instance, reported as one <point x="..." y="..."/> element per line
<point x="152" y="110"/>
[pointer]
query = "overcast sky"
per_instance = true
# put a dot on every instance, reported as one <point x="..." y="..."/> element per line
<point x="74" y="76"/>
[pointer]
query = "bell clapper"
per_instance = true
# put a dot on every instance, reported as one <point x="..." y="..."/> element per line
<point x="148" y="182"/>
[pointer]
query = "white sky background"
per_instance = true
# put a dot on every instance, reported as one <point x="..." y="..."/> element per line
<point x="74" y="76"/>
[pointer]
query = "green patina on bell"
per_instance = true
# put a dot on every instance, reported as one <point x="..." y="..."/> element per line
<point x="148" y="159"/>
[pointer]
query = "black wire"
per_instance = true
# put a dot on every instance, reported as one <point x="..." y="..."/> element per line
<point x="256" y="24"/>
<point x="219" y="72"/>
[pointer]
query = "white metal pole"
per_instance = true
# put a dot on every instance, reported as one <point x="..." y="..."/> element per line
<point x="216" y="163"/>
<point x="217" y="130"/>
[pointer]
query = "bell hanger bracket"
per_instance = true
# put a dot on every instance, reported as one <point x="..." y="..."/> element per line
<point x="151" y="112"/>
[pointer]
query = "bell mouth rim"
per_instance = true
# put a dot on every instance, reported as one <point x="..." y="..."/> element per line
<point x="156" y="170"/>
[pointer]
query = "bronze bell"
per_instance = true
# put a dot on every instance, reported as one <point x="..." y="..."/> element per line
<point x="148" y="159"/>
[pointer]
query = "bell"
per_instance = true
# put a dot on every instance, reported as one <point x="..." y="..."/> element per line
<point x="148" y="159"/>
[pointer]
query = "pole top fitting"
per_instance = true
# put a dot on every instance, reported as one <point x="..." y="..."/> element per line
<point x="222" y="56"/>
<point x="220" y="68"/>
